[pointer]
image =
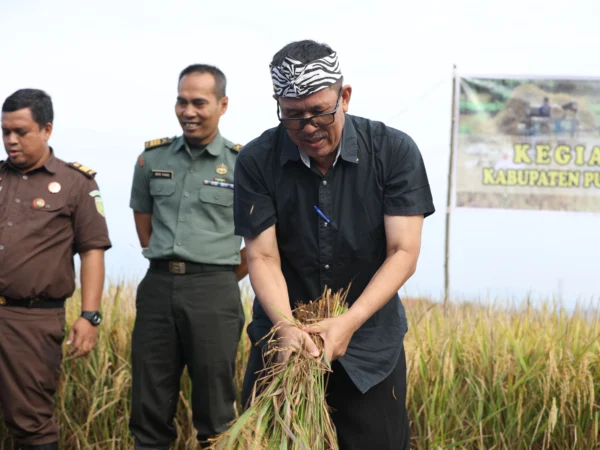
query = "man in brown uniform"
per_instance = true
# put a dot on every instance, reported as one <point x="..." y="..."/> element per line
<point x="49" y="210"/>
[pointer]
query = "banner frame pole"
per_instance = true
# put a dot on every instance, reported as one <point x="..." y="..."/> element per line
<point x="449" y="201"/>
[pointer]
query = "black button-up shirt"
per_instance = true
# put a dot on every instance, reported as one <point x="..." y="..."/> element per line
<point x="379" y="171"/>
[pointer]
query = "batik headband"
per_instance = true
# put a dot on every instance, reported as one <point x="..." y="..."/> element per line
<point x="295" y="79"/>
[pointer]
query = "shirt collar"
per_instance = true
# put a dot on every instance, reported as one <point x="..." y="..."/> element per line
<point x="306" y="159"/>
<point x="348" y="148"/>
<point x="214" y="147"/>
<point x="51" y="164"/>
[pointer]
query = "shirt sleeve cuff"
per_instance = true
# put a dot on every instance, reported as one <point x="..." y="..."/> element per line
<point x="96" y="244"/>
<point x="140" y="207"/>
<point x="426" y="209"/>
<point x="245" y="231"/>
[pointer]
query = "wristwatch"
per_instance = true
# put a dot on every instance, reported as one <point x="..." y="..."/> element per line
<point x="94" y="317"/>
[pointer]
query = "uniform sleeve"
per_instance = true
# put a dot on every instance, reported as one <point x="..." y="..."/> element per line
<point x="140" y="200"/>
<point x="89" y="224"/>
<point x="253" y="208"/>
<point x="407" y="190"/>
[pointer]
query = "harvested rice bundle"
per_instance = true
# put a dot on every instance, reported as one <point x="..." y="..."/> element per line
<point x="288" y="409"/>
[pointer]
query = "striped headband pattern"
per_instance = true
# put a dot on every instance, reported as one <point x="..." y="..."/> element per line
<point x="295" y="79"/>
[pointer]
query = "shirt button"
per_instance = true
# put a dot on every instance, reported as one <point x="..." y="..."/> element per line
<point x="24" y="177"/>
<point x="1" y="247"/>
<point x="216" y="197"/>
<point x="187" y="194"/>
<point x="191" y="170"/>
<point x="9" y="224"/>
<point x="327" y="266"/>
<point x="178" y="242"/>
<point x="325" y="224"/>
<point x="17" y="200"/>
<point x="324" y="182"/>
<point x="183" y="219"/>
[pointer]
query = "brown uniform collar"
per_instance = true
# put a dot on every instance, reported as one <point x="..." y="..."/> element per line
<point x="51" y="164"/>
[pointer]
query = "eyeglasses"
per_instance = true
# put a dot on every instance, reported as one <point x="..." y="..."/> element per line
<point x="317" y="121"/>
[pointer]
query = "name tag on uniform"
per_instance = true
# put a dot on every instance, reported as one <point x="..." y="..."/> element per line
<point x="162" y="174"/>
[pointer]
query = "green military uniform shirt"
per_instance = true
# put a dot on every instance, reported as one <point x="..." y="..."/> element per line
<point x="191" y="220"/>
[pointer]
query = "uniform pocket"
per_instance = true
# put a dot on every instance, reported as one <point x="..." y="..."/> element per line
<point x="49" y="218"/>
<point x="217" y="195"/>
<point x="162" y="187"/>
<point x="216" y="213"/>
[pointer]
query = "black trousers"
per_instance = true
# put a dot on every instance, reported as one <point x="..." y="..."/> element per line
<point x="192" y="320"/>
<point x="375" y="420"/>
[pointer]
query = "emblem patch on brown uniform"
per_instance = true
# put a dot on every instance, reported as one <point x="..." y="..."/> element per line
<point x="54" y="187"/>
<point x="222" y="169"/>
<point x="98" y="199"/>
<point x="39" y="203"/>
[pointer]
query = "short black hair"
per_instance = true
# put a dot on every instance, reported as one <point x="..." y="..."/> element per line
<point x="218" y="75"/>
<point x="36" y="100"/>
<point x="304" y="51"/>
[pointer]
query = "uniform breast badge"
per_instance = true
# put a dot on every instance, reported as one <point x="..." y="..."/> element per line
<point x="222" y="184"/>
<point x="222" y="169"/>
<point x="54" y="187"/>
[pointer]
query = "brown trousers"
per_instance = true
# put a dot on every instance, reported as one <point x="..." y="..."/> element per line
<point x="30" y="362"/>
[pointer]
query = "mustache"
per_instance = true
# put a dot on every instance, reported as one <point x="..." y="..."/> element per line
<point x="312" y="136"/>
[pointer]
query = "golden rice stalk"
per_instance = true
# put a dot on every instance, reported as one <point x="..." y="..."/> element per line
<point x="288" y="410"/>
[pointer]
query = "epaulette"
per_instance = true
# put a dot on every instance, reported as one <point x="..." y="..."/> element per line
<point x="149" y="145"/>
<point x="236" y="147"/>
<point x="83" y="169"/>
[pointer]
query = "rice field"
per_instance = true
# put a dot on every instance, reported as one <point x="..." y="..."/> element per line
<point x="479" y="377"/>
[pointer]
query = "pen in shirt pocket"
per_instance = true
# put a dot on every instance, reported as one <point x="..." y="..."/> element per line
<point x="324" y="217"/>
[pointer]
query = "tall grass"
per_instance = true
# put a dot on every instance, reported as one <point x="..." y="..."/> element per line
<point x="479" y="377"/>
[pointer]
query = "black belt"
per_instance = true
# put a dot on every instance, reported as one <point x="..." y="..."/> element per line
<point x="186" y="267"/>
<point x="36" y="302"/>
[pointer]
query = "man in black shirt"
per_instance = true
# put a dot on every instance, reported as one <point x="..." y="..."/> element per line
<point x="326" y="199"/>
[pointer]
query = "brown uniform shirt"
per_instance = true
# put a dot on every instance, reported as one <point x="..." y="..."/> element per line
<point x="40" y="231"/>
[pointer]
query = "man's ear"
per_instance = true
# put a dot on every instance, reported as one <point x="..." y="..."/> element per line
<point x="47" y="131"/>
<point x="346" y="94"/>
<point x="223" y="104"/>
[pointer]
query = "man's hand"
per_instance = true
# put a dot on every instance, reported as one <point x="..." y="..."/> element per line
<point x="83" y="336"/>
<point x="293" y="338"/>
<point x="336" y="333"/>
<point x="241" y="270"/>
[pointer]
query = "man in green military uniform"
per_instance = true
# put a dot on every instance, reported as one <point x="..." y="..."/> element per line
<point x="189" y="311"/>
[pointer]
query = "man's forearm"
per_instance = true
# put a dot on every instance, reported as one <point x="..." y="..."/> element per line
<point x="143" y="227"/>
<point x="391" y="276"/>
<point x="92" y="279"/>
<point x="270" y="287"/>
<point x="144" y="239"/>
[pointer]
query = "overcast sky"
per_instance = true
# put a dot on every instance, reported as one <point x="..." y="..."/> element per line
<point x="111" y="68"/>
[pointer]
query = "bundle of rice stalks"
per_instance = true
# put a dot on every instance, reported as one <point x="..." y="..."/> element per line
<point x="288" y="409"/>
